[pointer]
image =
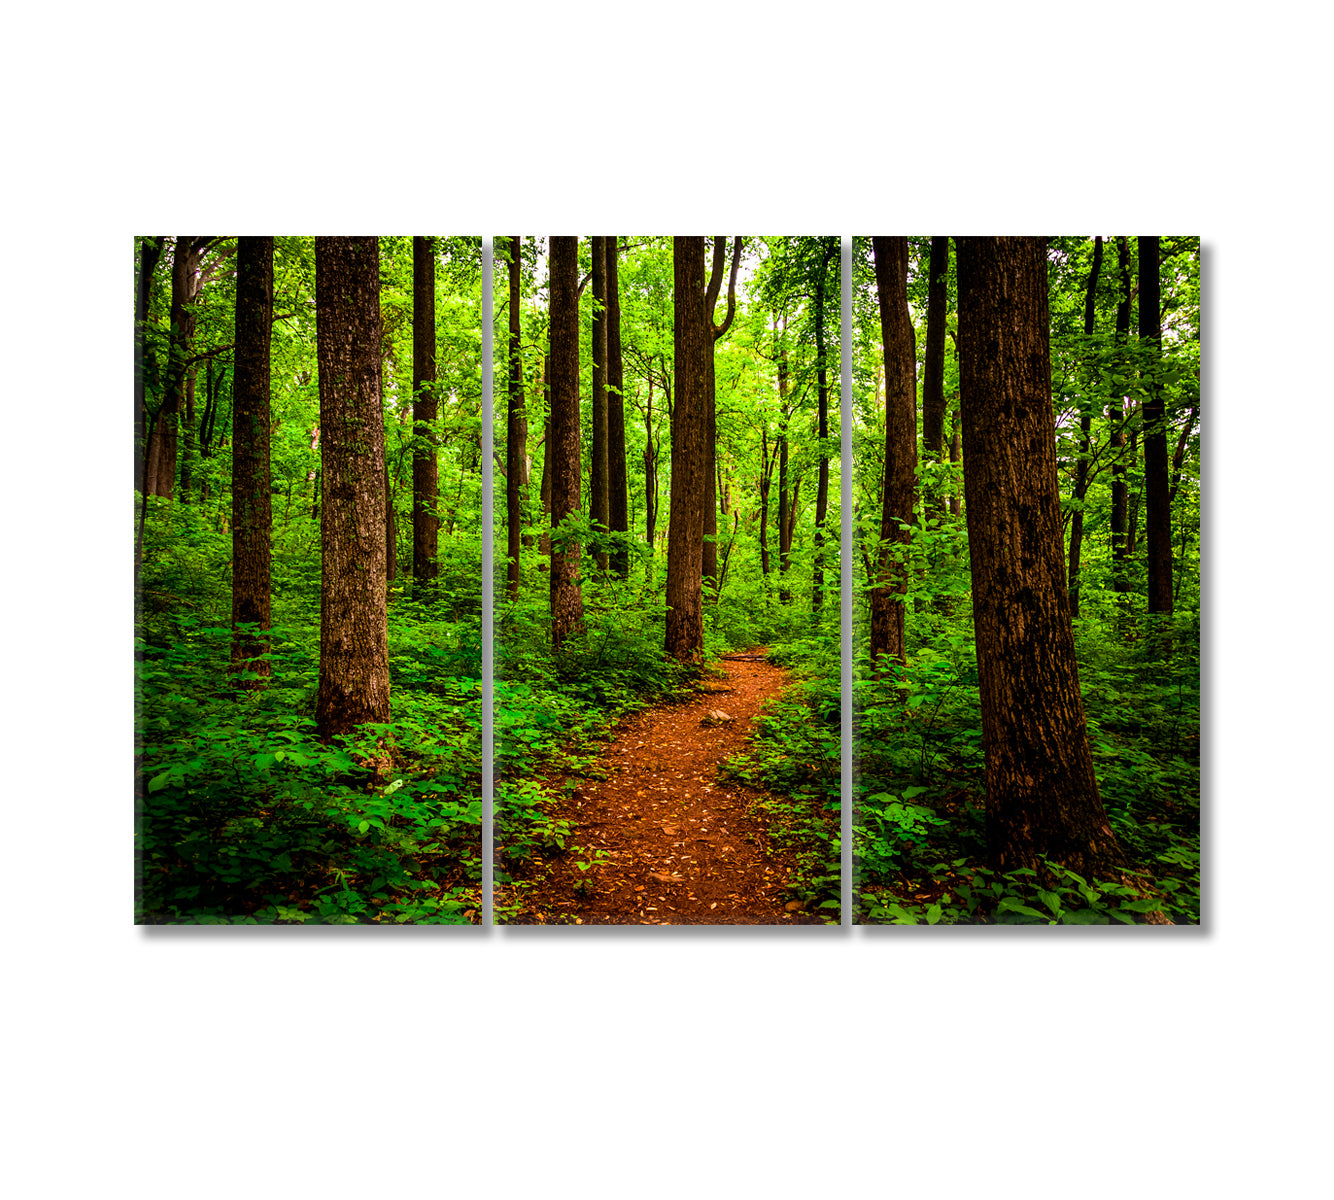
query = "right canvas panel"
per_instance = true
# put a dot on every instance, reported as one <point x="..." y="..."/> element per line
<point x="1027" y="633"/>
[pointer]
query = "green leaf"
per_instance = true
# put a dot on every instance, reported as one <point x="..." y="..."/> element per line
<point x="363" y="826"/>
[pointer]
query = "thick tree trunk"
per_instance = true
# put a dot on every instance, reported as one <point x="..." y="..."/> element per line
<point x="252" y="515"/>
<point x="597" y="481"/>
<point x="1085" y="433"/>
<point x="933" y="379"/>
<point x="1042" y="795"/>
<point x="709" y="566"/>
<point x="618" y="505"/>
<point x="1158" y="510"/>
<point x="685" y="536"/>
<point x="900" y="476"/>
<point x="516" y="433"/>
<point x="567" y="602"/>
<point x="354" y="652"/>
<point x="425" y="405"/>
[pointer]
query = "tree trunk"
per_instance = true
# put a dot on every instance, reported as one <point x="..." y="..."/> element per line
<point x="1085" y="432"/>
<point x="685" y="536"/>
<point x="900" y="475"/>
<point x="1158" y="511"/>
<point x="354" y="652"/>
<point x="784" y="506"/>
<point x="160" y="472"/>
<point x="1042" y="795"/>
<point x="709" y="562"/>
<point x="956" y="457"/>
<point x="567" y="602"/>
<point x="252" y="515"/>
<point x="425" y="405"/>
<point x="650" y="474"/>
<point x="618" y="506"/>
<point x="933" y="379"/>
<point x="150" y="251"/>
<point x="597" y="476"/>
<point x="516" y="433"/>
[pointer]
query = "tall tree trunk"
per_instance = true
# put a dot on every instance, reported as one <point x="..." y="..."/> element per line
<point x="956" y="457"/>
<point x="597" y="479"/>
<point x="900" y="475"/>
<point x="822" y="391"/>
<point x="1158" y="510"/>
<point x="1042" y="795"/>
<point x="709" y="562"/>
<point x="160" y="473"/>
<point x="618" y="500"/>
<point x="1085" y="432"/>
<point x="567" y="602"/>
<point x="650" y="474"/>
<point x="766" y="475"/>
<point x="425" y="408"/>
<point x="544" y="488"/>
<point x="150" y="250"/>
<point x="786" y="503"/>
<point x="933" y="379"/>
<point x="354" y="651"/>
<point x="252" y="513"/>
<point x="685" y="536"/>
<point x="1116" y="423"/>
<point x="516" y="433"/>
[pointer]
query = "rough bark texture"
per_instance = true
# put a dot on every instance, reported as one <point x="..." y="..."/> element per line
<point x="567" y="602"/>
<point x="516" y="433"/>
<point x="252" y="514"/>
<point x="933" y="378"/>
<point x="1042" y="795"/>
<point x="786" y="504"/>
<point x="354" y="652"/>
<point x="900" y="475"/>
<point x="425" y="468"/>
<point x="618" y="501"/>
<point x="685" y="536"/>
<point x="1157" y="505"/>
<point x="1085" y="432"/>
<point x="597" y="476"/>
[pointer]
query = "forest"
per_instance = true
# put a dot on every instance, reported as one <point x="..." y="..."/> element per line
<point x="308" y="621"/>
<point x="666" y="421"/>
<point x="1027" y="646"/>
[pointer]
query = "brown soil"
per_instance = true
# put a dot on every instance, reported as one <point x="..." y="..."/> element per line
<point x="671" y="843"/>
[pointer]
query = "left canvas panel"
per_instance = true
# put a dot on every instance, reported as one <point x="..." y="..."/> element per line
<point x="308" y="550"/>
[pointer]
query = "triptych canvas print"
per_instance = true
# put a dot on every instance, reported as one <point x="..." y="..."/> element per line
<point x="643" y="580"/>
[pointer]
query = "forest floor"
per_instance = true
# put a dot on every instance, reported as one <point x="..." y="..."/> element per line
<point x="663" y="837"/>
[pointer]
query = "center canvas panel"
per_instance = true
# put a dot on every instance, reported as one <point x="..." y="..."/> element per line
<point x="667" y="640"/>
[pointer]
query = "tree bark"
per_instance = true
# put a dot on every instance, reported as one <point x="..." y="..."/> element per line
<point x="516" y="432"/>
<point x="150" y="251"/>
<point x="354" y="652"/>
<point x="1042" y="794"/>
<point x="786" y="504"/>
<point x="597" y="476"/>
<point x="709" y="562"/>
<point x="425" y="407"/>
<point x="898" y="494"/>
<point x="618" y="505"/>
<point x="1085" y="433"/>
<point x="160" y="470"/>
<point x="1158" y="510"/>
<point x="252" y="512"/>
<point x="685" y="536"/>
<point x="933" y="379"/>
<point x="567" y="603"/>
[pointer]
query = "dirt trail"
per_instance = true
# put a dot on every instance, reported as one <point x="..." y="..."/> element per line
<point x="675" y="844"/>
